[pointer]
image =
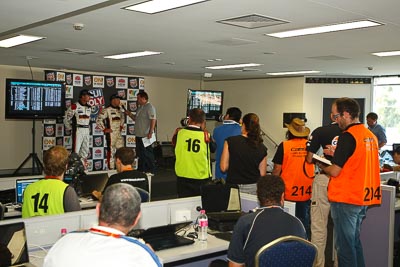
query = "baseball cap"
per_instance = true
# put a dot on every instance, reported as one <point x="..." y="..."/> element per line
<point x="85" y="92"/>
<point x="114" y="96"/>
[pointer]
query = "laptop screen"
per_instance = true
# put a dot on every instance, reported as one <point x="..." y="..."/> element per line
<point x="20" y="185"/>
<point x="164" y="237"/>
<point x="13" y="237"/>
<point x="219" y="197"/>
<point x="91" y="182"/>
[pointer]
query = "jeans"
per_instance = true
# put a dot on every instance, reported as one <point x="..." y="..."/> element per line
<point x="303" y="213"/>
<point x="145" y="155"/>
<point x="347" y="221"/>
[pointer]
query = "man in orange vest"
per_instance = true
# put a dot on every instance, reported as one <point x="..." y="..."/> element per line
<point x="355" y="182"/>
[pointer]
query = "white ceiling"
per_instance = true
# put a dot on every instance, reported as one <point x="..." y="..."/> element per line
<point x="190" y="35"/>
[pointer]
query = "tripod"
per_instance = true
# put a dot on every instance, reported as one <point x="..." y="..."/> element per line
<point x="37" y="166"/>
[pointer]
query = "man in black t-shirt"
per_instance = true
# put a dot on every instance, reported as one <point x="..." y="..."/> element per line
<point x="124" y="159"/>
<point x="324" y="137"/>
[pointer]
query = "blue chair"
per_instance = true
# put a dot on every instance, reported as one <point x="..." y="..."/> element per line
<point x="144" y="195"/>
<point x="287" y="251"/>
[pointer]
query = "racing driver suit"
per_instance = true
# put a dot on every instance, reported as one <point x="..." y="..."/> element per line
<point x="111" y="118"/>
<point x="78" y="115"/>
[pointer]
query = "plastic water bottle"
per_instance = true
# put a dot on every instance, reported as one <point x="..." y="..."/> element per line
<point x="63" y="232"/>
<point x="203" y="225"/>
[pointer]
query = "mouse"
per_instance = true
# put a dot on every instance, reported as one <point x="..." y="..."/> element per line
<point x="192" y="235"/>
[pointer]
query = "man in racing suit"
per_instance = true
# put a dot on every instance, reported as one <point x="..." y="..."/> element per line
<point x="111" y="121"/>
<point x="77" y="116"/>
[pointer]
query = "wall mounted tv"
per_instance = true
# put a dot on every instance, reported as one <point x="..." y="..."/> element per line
<point x="209" y="101"/>
<point x="27" y="99"/>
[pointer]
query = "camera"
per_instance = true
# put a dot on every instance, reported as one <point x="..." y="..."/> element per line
<point x="184" y="122"/>
<point x="220" y="117"/>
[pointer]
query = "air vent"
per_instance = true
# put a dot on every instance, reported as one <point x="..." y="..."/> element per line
<point x="76" y="51"/>
<point x="327" y="58"/>
<point x="247" y="70"/>
<point x="253" y="21"/>
<point x="234" y="42"/>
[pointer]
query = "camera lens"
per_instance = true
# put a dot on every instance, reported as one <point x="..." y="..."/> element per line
<point x="184" y="122"/>
<point x="219" y="118"/>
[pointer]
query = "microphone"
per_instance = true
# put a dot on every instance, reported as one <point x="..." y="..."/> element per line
<point x="123" y="107"/>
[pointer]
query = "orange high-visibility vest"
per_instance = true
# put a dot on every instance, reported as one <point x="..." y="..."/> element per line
<point x="297" y="184"/>
<point x="359" y="181"/>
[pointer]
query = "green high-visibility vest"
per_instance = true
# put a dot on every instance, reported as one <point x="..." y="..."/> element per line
<point x="192" y="155"/>
<point x="44" y="197"/>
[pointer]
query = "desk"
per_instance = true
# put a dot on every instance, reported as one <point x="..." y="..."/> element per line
<point x="198" y="254"/>
<point x="183" y="255"/>
<point x="84" y="202"/>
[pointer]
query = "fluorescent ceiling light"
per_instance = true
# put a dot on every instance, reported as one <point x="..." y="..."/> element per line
<point x="135" y="54"/>
<point x="387" y="54"/>
<point x="233" y="66"/>
<point x="327" y="28"/>
<point x="155" y="6"/>
<point x="19" y="40"/>
<point x="293" y="72"/>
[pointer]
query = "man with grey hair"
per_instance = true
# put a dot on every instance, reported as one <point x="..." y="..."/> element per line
<point x="107" y="243"/>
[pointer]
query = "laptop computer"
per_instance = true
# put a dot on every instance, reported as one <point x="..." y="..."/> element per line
<point x="222" y="205"/>
<point x="13" y="236"/>
<point x="90" y="182"/>
<point x="20" y="185"/>
<point x="164" y="237"/>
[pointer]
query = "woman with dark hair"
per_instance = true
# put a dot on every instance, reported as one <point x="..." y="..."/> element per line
<point x="244" y="157"/>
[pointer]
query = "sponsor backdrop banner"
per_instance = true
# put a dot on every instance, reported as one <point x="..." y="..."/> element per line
<point x="102" y="87"/>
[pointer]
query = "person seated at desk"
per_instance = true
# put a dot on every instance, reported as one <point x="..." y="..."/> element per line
<point x="124" y="159"/>
<point x="51" y="195"/>
<point x="107" y="243"/>
<point x="269" y="222"/>
<point x="396" y="159"/>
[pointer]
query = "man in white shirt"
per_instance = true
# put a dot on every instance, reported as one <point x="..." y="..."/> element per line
<point x="106" y="244"/>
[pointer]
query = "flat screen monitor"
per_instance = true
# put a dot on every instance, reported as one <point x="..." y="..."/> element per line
<point x="26" y="99"/>
<point x="209" y="101"/>
<point x="20" y="185"/>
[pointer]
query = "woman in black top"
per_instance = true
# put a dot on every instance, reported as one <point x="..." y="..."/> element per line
<point x="244" y="157"/>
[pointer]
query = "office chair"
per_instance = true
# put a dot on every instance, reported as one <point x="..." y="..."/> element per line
<point x="2" y="210"/>
<point x="287" y="251"/>
<point x="144" y="195"/>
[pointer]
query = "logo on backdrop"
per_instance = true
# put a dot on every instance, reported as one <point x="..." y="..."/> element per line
<point x="110" y="81"/>
<point x="49" y="130"/>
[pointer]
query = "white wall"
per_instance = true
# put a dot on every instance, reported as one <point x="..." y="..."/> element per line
<point x="314" y="94"/>
<point x="268" y="98"/>
<point x="16" y="135"/>
<point x="169" y="98"/>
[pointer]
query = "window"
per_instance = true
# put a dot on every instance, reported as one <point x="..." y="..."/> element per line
<point x="386" y="103"/>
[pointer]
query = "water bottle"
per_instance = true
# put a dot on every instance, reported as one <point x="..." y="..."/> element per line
<point x="63" y="232"/>
<point x="203" y="225"/>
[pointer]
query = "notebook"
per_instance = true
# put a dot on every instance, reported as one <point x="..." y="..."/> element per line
<point x="20" y="185"/>
<point x="90" y="182"/>
<point x="13" y="236"/>
<point x="222" y="205"/>
<point x="164" y="237"/>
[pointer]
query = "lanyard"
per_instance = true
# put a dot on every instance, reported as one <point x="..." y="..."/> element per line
<point x="50" y="177"/>
<point x="99" y="231"/>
